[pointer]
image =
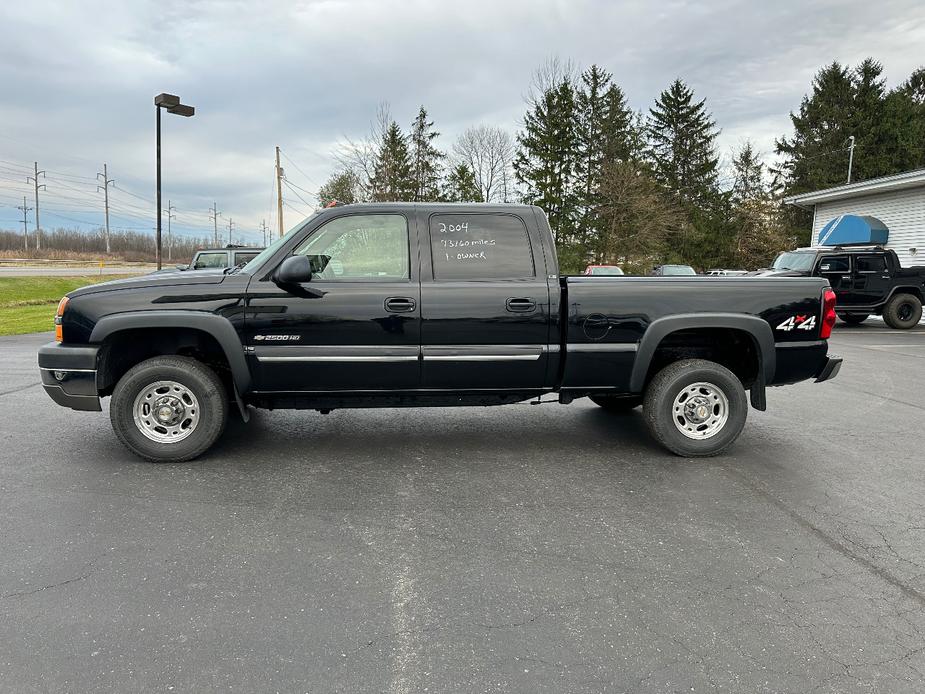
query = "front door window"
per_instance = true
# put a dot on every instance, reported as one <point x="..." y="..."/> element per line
<point x="363" y="247"/>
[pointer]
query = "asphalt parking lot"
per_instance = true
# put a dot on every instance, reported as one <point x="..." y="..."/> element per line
<point x="525" y="548"/>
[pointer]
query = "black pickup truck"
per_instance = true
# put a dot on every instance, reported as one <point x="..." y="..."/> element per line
<point x="866" y="279"/>
<point x="382" y="305"/>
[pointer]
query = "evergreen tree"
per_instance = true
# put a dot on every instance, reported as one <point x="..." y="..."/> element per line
<point x="682" y="140"/>
<point x="816" y="154"/>
<point x="392" y="178"/>
<point x="748" y="175"/>
<point x="461" y="185"/>
<point x="545" y="162"/>
<point x="759" y="232"/>
<point x="426" y="159"/>
<point x="340" y="187"/>
<point x="603" y="135"/>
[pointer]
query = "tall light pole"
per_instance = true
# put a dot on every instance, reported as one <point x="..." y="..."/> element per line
<point x="173" y="105"/>
<point x="850" y="155"/>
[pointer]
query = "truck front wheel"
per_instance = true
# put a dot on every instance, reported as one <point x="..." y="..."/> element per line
<point x="695" y="407"/>
<point x="169" y="409"/>
<point x="903" y="311"/>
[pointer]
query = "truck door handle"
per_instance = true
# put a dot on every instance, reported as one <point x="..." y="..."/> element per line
<point x="400" y="304"/>
<point x="520" y="304"/>
<point x="846" y="277"/>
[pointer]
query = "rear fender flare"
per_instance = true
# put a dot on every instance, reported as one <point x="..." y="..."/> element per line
<point x="217" y="326"/>
<point x="756" y="327"/>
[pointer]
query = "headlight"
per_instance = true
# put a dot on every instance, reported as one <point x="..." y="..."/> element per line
<point x="59" y="333"/>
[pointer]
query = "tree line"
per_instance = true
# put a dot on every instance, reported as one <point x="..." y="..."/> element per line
<point x="130" y="246"/>
<point x="643" y="188"/>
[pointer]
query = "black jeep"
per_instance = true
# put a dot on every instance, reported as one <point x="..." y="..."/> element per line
<point x="866" y="279"/>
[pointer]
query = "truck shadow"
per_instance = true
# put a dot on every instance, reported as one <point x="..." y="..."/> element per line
<point x="390" y="438"/>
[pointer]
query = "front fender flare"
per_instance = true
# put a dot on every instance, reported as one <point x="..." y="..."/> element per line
<point x="217" y="326"/>
<point x="756" y="327"/>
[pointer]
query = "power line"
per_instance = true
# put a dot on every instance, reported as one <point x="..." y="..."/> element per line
<point x="294" y="192"/>
<point x="307" y="177"/>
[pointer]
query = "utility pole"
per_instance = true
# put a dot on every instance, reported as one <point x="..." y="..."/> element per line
<point x="107" y="181"/>
<point x="230" y="229"/>
<point x="170" y="215"/>
<point x="850" y="155"/>
<point x="35" y="180"/>
<point x="214" y="214"/>
<point x="25" y="222"/>
<point x="279" y="193"/>
<point x="263" y="228"/>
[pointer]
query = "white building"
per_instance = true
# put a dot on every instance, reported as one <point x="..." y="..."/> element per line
<point x="898" y="201"/>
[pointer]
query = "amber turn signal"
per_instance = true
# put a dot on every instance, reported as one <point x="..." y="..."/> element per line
<point x="59" y="334"/>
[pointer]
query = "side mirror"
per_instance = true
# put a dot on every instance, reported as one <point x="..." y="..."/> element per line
<point x="181" y="266"/>
<point x="295" y="269"/>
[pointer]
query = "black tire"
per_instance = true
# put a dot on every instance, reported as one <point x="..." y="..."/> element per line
<point x="853" y="318"/>
<point x="616" y="403"/>
<point x="903" y="311"/>
<point x="669" y="383"/>
<point x="203" y="388"/>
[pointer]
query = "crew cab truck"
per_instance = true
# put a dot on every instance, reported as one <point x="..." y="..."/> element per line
<point x="866" y="279"/>
<point x="392" y="305"/>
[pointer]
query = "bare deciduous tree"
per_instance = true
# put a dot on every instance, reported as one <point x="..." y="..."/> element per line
<point x="359" y="156"/>
<point x="488" y="152"/>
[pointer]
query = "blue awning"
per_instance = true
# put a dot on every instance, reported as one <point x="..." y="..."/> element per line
<point x="852" y="229"/>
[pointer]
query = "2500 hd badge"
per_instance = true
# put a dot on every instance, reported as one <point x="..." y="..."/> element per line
<point x="362" y="306"/>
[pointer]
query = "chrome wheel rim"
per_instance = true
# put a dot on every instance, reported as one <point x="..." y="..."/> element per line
<point x="700" y="410"/>
<point x="166" y="411"/>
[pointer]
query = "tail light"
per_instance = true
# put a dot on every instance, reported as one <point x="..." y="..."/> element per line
<point x="59" y="334"/>
<point x="828" y="313"/>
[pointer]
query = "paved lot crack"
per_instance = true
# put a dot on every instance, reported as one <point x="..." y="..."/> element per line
<point x="827" y="539"/>
<point x="16" y="390"/>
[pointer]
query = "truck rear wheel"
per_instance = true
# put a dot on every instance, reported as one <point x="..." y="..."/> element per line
<point x="695" y="407"/>
<point x="853" y="318"/>
<point x="169" y="409"/>
<point x="903" y="311"/>
<point x="615" y="403"/>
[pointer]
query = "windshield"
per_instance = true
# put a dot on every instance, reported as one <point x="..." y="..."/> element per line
<point x="273" y="247"/>
<point x="791" y="260"/>
<point x="678" y="270"/>
<point x="606" y="271"/>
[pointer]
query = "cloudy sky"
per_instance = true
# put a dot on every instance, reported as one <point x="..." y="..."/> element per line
<point x="79" y="77"/>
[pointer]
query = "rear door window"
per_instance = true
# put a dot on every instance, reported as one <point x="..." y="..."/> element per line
<point x="241" y="258"/>
<point x="480" y="247"/>
<point x="870" y="263"/>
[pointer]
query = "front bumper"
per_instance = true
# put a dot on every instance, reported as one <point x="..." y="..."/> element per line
<point x="69" y="375"/>
<point x="829" y="369"/>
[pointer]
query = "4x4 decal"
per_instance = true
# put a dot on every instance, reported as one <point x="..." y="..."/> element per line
<point x="798" y="322"/>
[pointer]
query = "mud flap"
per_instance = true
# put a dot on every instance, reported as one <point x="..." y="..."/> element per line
<point x="757" y="394"/>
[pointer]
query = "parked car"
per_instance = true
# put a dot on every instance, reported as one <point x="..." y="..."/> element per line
<point x="229" y="256"/>
<point x="336" y="314"/>
<point x="726" y="273"/>
<point x="607" y="270"/>
<point x="867" y="280"/>
<point x="672" y="271"/>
